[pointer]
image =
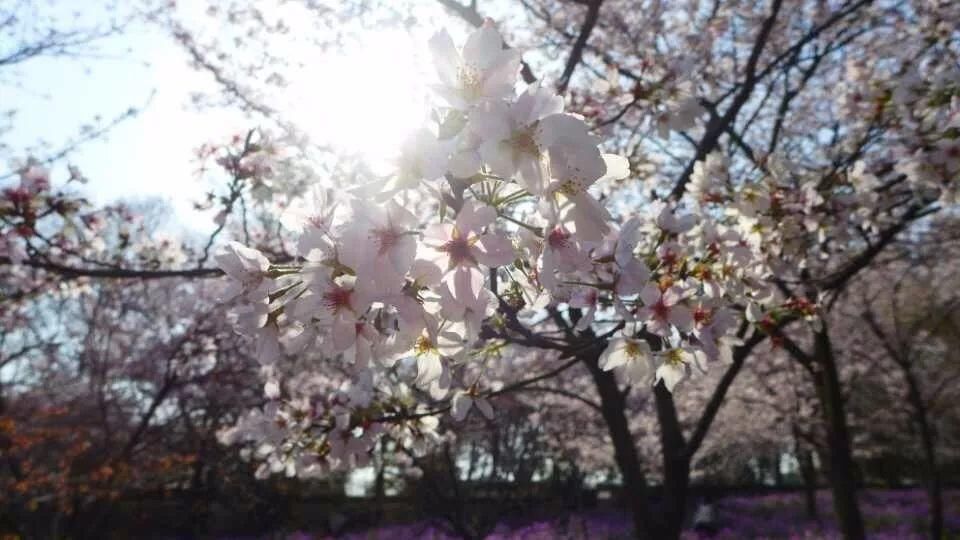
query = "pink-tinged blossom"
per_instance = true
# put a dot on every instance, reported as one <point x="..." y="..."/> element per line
<point x="710" y="179"/>
<point x="752" y="200"/>
<point x="246" y="270"/>
<point x="670" y="255"/>
<point x="671" y="223"/>
<point x="634" y="274"/>
<point x="363" y="344"/>
<point x="353" y="452"/>
<point x="379" y="243"/>
<point x="12" y="248"/>
<point x="335" y="306"/>
<point x="563" y="254"/>
<point x="682" y="114"/>
<point x="482" y="70"/>
<point x="465" y="158"/>
<point x="677" y="365"/>
<point x="662" y="310"/>
<point x="464" y="299"/>
<point x="408" y="306"/>
<point x="34" y="178"/>
<point x="313" y="219"/>
<point x="515" y="137"/>
<point x="711" y="326"/>
<point x="587" y="300"/>
<point x="464" y="242"/>
<point x="399" y="294"/>
<point x="435" y="346"/>
<point x="419" y="434"/>
<point x="253" y="320"/>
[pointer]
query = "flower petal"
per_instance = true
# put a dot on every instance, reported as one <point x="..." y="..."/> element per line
<point x="445" y="56"/>
<point x="460" y="406"/>
<point x="483" y="47"/>
<point x="494" y="250"/>
<point x="671" y="375"/>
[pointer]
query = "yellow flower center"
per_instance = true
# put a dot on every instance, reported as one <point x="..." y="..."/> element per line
<point x="471" y="84"/>
<point x="634" y="350"/>
<point x="424" y="346"/>
<point x="674" y="357"/>
<point x="571" y="187"/>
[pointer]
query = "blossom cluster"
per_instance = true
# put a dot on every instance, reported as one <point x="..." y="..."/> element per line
<point x="41" y="221"/>
<point x="403" y="301"/>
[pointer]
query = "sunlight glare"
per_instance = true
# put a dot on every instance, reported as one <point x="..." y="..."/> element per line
<point x="365" y="99"/>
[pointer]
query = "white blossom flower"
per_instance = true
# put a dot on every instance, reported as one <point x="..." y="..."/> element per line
<point x="482" y="70"/>
<point x="633" y="356"/>
<point x="633" y="272"/>
<point x="464" y="299"/>
<point x="515" y="137"/>
<point x="573" y="170"/>
<point x="422" y="157"/>
<point x="379" y="244"/>
<point x="246" y="269"/>
<point x="676" y="365"/>
<point x="463" y="401"/>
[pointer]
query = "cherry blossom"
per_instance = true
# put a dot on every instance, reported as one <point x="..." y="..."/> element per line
<point x="633" y="355"/>
<point x="663" y="310"/>
<point x="482" y="70"/>
<point x="466" y="243"/>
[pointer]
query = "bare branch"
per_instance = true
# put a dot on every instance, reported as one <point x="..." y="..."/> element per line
<point x="576" y="54"/>
<point x="718" y="124"/>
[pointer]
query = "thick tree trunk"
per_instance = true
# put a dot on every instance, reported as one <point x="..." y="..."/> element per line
<point x="809" y="474"/>
<point x="676" y="464"/>
<point x="380" y="484"/>
<point x="843" y="482"/>
<point x="775" y="461"/>
<point x="934" y="487"/>
<point x="613" y="408"/>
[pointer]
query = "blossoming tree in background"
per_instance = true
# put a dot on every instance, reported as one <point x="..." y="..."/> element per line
<point x="909" y="307"/>
<point x="108" y="385"/>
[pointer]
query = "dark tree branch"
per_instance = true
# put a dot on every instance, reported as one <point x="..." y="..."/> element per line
<point x="718" y="124"/>
<point x="839" y="279"/>
<point x="565" y="393"/>
<point x="576" y="54"/>
<point x="118" y="273"/>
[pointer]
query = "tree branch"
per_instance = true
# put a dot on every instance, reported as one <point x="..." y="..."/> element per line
<point x="576" y="54"/>
<point x="718" y="125"/>
<point x="119" y="273"/>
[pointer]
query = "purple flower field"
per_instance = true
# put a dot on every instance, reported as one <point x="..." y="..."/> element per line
<point x="889" y="514"/>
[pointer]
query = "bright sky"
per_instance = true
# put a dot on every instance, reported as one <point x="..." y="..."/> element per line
<point x="363" y="99"/>
<point x="147" y="155"/>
